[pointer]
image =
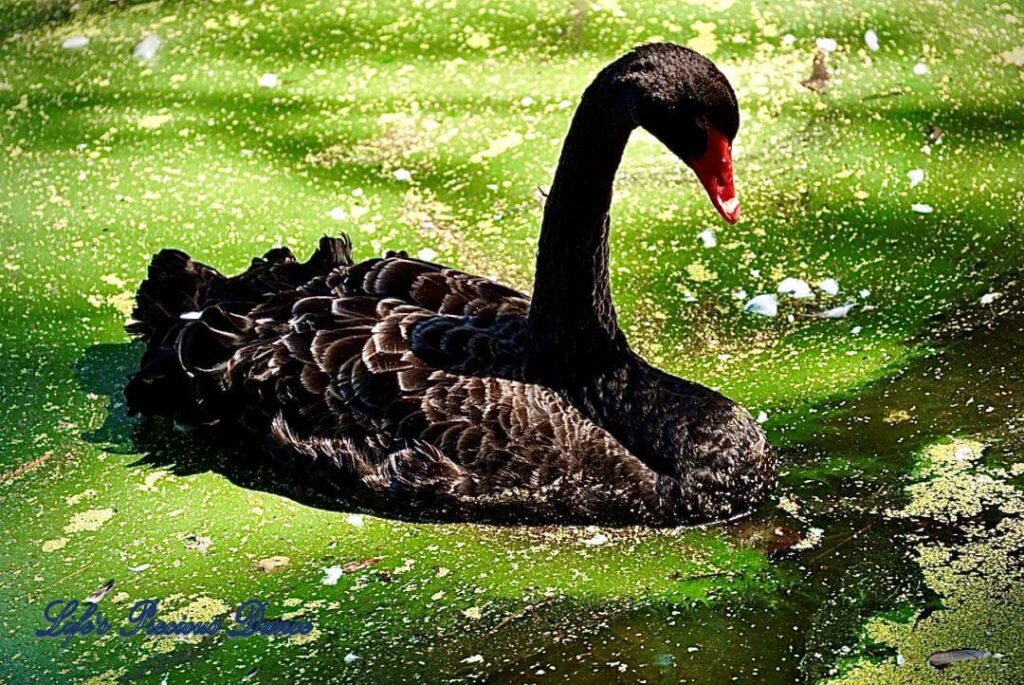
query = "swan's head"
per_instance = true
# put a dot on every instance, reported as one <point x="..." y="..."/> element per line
<point x="682" y="99"/>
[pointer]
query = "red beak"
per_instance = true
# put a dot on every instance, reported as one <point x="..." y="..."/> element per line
<point x="714" y="169"/>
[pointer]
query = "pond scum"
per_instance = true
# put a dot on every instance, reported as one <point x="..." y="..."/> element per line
<point x="979" y="579"/>
<point x="883" y="182"/>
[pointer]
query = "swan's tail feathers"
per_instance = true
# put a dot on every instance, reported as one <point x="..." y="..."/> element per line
<point x="332" y="253"/>
<point x="197" y="324"/>
<point x="179" y="288"/>
<point x="175" y="288"/>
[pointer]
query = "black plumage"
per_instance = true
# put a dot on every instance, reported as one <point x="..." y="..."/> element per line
<point x="407" y="387"/>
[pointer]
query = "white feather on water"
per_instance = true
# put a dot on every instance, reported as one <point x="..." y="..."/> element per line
<point x="708" y="238"/>
<point x="763" y="305"/>
<point x="146" y="48"/>
<point x="75" y="42"/>
<point x="794" y="287"/>
<point x="837" y="312"/>
<point x="871" y="40"/>
<point x="829" y="286"/>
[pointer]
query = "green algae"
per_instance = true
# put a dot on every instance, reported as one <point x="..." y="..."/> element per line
<point x="433" y="127"/>
<point x="979" y="580"/>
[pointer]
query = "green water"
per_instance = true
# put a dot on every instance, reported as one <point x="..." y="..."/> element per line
<point x="899" y="426"/>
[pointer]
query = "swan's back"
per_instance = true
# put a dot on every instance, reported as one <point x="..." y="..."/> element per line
<point x="374" y="376"/>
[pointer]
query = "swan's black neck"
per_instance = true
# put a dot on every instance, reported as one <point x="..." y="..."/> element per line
<point x="689" y="435"/>
<point x="572" y="324"/>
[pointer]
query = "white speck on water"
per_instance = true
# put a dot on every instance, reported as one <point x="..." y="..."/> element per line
<point x="355" y="520"/>
<point x="811" y="540"/>
<point x="331" y="575"/>
<point x="827" y="44"/>
<point x="475" y="659"/>
<point x="794" y="287"/>
<point x="790" y="505"/>
<point x="76" y="42"/>
<point x="763" y="305"/>
<point x="268" y="81"/>
<point x="964" y="454"/>
<point x="837" y="312"/>
<point x="920" y="69"/>
<point x="338" y="214"/>
<point x="427" y="254"/>
<point x="871" y="40"/>
<point x="989" y="298"/>
<point x="921" y="208"/>
<point x="915" y="176"/>
<point x="708" y="238"/>
<point x="146" y="48"/>
<point x="402" y="175"/>
<point x="829" y="286"/>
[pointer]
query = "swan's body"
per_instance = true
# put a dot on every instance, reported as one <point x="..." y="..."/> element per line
<point x="411" y="388"/>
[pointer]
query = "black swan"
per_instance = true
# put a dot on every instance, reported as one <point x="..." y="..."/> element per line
<point x="408" y="388"/>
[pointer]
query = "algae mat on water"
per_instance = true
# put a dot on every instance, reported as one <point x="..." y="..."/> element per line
<point x="429" y="126"/>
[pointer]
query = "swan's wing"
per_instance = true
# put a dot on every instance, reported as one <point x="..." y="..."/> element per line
<point x="353" y="346"/>
<point x="490" y="447"/>
<point x="345" y="386"/>
<point x="434" y="288"/>
<point x="339" y="368"/>
<point x="355" y="357"/>
<point x="340" y="356"/>
<point x="332" y="367"/>
<point x="438" y="440"/>
<point x="479" y="327"/>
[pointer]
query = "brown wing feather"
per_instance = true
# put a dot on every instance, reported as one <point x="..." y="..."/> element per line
<point x="435" y="288"/>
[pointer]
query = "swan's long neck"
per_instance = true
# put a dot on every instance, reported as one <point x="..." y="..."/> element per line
<point x="572" y="322"/>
